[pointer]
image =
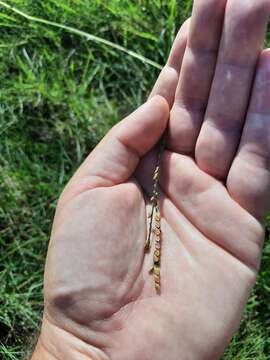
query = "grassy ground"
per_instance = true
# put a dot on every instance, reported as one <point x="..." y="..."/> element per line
<point x="60" y="92"/>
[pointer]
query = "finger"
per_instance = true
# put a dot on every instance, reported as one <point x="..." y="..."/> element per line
<point x="168" y="78"/>
<point x="249" y="177"/>
<point x="242" y="40"/>
<point x="115" y="158"/>
<point x="196" y="74"/>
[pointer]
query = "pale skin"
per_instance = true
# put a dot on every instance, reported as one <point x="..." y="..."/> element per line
<point x="100" y="300"/>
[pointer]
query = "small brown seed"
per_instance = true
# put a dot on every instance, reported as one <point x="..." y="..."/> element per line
<point x="153" y="200"/>
<point x="157" y="245"/>
<point x="157" y="231"/>
<point x="156" y="259"/>
<point x="157" y="238"/>
<point x="156" y="271"/>
<point x="146" y="244"/>
<point x="157" y="253"/>
<point x="157" y="287"/>
<point x="157" y="279"/>
<point x="157" y="217"/>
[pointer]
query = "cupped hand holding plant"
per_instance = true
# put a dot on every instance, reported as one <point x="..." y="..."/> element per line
<point x="100" y="299"/>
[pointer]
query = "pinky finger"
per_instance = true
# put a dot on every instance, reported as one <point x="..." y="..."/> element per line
<point x="168" y="78"/>
<point x="248" y="181"/>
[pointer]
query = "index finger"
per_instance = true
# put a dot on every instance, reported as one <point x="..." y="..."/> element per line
<point x="168" y="78"/>
<point x="196" y="74"/>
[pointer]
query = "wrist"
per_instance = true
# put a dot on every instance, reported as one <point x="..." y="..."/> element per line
<point x="55" y="343"/>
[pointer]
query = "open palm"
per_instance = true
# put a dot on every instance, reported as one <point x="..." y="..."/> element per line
<point x="99" y="294"/>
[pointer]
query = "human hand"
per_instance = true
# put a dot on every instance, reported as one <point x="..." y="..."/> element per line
<point x="100" y="301"/>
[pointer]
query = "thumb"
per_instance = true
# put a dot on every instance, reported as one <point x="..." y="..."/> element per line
<point x="116" y="157"/>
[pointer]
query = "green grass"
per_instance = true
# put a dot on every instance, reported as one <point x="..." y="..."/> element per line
<point x="60" y="93"/>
